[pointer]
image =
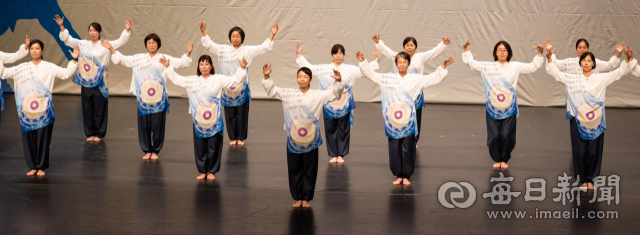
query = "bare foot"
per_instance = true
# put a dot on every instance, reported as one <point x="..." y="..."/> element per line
<point x="405" y="181"/>
<point x="504" y="165"/>
<point x="32" y="172"/>
<point x="584" y="186"/>
<point x="590" y="186"/>
<point x="40" y="173"/>
<point x="154" y="156"/>
<point x="211" y="176"/>
<point x="416" y="146"/>
<point x="333" y="160"/>
<point x="340" y="159"/>
<point x="240" y="142"/>
<point x="298" y="203"/>
<point x="398" y="181"/>
<point x="201" y="176"/>
<point x="233" y="142"/>
<point x="90" y="138"/>
<point x="305" y="204"/>
<point x="96" y="139"/>
<point x="496" y="165"/>
<point x="147" y="156"/>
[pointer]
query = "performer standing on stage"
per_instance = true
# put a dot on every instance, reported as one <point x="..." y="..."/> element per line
<point x="236" y="99"/>
<point x="500" y="79"/>
<point x="572" y="66"/>
<point x="399" y="91"/>
<point x="92" y="76"/>
<point x="419" y="59"/>
<point x="148" y="84"/>
<point x="302" y="107"/>
<point x="33" y="84"/>
<point x="338" y="115"/>
<point x="204" y="93"/>
<point x="8" y="58"/>
<point x="586" y="94"/>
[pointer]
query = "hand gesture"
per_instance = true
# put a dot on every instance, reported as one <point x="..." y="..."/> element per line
<point x="376" y="53"/>
<point x="59" y="20"/>
<point x="628" y="52"/>
<point x="189" y="49"/>
<point x="448" y="61"/>
<point x="76" y="52"/>
<point x="266" y="70"/>
<point x="128" y="24"/>
<point x="299" y="49"/>
<point x="550" y="52"/>
<point x="621" y="47"/>
<point x="165" y="62"/>
<point x="466" y="44"/>
<point x="376" y="38"/>
<point x="203" y="26"/>
<point x="539" y="47"/>
<point x="243" y="63"/>
<point x="360" y="56"/>
<point x="336" y="75"/>
<point x="27" y="41"/>
<point x="106" y="44"/>
<point x="446" y="40"/>
<point x="548" y="44"/>
<point x="274" y="29"/>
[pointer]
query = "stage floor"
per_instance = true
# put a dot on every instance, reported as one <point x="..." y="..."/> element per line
<point x="106" y="188"/>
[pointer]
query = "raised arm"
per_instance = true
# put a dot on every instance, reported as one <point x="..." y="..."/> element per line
<point x="253" y="51"/>
<point x="8" y="73"/>
<point x="435" y="77"/>
<point x="386" y="51"/>
<point x="467" y="57"/>
<point x="524" y="68"/>
<point x="116" y="56"/>
<point x="330" y="95"/>
<point x="124" y="36"/>
<point x="18" y="55"/>
<point x="229" y="81"/>
<point x="272" y="90"/>
<point x="625" y="67"/>
<point x="71" y="67"/>
<point x="184" y="61"/>
<point x="366" y="70"/>
<point x="206" y="40"/>
<point x="423" y="57"/>
<point x="553" y="70"/>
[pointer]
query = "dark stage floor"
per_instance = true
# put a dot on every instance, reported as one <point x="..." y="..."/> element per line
<point x="107" y="188"/>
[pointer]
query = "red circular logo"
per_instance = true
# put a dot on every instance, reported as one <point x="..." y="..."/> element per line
<point x="302" y="132"/>
<point x="34" y="105"/>
<point x="591" y="115"/>
<point x="207" y="115"/>
<point x="501" y="97"/>
<point x="398" y="114"/>
<point x="151" y="92"/>
<point x="87" y="67"/>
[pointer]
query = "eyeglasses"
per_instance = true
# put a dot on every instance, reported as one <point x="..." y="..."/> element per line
<point x="502" y="51"/>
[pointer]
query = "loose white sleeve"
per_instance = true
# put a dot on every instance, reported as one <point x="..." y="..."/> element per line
<point x="253" y="51"/>
<point x="558" y="63"/>
<point x="64" y="73"/>
<point x="8" y="73"/>
<point x="606" y="66"/>
<point x="210" y="45"/>
<point x="8" y="58"/>
<point x="272" y="90"/>
<point x="228" y="81"/>
<point x="175" y="77"/>
<point x="434" y="78"/>
<point x="615" y="75"/>
<point x="67" y="39"/>
<point x="332" y="94"/>
<point x="423" y="57"/>
<point x="553" y="71"/>
<point x="368" y="72"/>
<point x="530" y="67"/>
<point x="636" y="71"/>
<point x="182" y="63"/>
<point x="124" y="38"/>
<point x="302" y="62"/>
<point x="467" y="58"/>
<point x="118" y="58"/>
<point x="385" y="50"/>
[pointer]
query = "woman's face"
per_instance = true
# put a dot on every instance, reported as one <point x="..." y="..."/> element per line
<point x="338" y="57"/>
<point x="36" y="51"/>
<point x="410" y="47"/>
<point x="205" y="68"/>
<point x="236" y="39"/>
<point x="582" y="48"/>
<point x="502" y="53"/>
<point x="586" y="64"/>
<point x="152" y="46"/>
<point x="303" y="80"/>
<point x="94" y="34"/>
<point x="402" y="64"/>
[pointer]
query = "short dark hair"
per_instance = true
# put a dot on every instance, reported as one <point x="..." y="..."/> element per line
<point x="206" y="58"/>
<point x="95" y="26"/>
<point x="240" y="31"/>
<point x="506" y="45"/>
<point x="593" y="58"/>
<point x="407" y="39"/>
<point x="37" y="41"/>
<point x="155" y="38"/>
<point x="582" y="40"/>
<point x="336" y="48"/>
<point x="306" y="71"/>
<point x="404" y="55"/>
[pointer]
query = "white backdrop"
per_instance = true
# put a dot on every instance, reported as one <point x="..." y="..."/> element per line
<point x="320" y="24"/>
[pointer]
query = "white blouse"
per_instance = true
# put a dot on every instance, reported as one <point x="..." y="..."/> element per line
<point x="215" y="82"/>
<point x="411" y="83"/>
<point x="44" y="71"/>
<point x="128" y="61"/>
<point x="99" y="52"/>
<point x="510" y="70"/>
<point x="572" y="65"/>
<point x="9" y="58"/>
<point x="348" y="72"/>
<point x="228" y="52"/>
<point x="418" y="58"/>
<point x="314" y="99"/>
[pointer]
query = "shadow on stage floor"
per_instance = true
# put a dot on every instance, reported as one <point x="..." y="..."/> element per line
<point x="107" y="187"/>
